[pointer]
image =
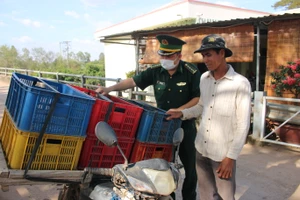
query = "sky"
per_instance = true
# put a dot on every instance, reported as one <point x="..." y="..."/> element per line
<point x="49" y="23"/>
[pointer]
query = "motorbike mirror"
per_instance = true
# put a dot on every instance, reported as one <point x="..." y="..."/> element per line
<point x="178" y="136"/>
<point x="106" y="134"/>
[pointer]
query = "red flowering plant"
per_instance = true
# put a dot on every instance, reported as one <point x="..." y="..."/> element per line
<point x="287" y="78"/>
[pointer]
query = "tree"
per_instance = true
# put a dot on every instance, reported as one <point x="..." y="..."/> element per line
<point x="95" y="69"/>
<point x="39" y="54"/>
<point x="40" y="59"/>
<point x="101" y="57"/>
<point x="25" y="54"/>
<point x="287" y="4"/>
<point x="81" y="57"/>
<point x="26" y="61"/>
<point x="4" y="55"/>
<point x="8" y="56"/>
<point x="87" y="56"/>
<point x="14" y="56"/>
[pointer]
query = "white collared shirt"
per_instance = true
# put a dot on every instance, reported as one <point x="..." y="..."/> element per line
<point x="225" y="109"/>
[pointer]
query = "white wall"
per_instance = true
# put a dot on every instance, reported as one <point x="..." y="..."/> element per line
<point x="119" y="59"/>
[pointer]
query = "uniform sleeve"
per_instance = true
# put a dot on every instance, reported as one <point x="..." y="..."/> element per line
<point x="144" y="79"/>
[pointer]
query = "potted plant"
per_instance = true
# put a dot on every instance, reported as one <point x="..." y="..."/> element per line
<point x="287" y="80"/>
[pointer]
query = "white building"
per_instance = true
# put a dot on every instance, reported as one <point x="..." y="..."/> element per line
<point x="121" y="53"/>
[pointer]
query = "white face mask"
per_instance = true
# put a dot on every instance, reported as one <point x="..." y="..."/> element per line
<point x="167" y="64"/>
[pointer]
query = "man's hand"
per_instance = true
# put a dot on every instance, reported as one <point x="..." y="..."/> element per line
<point x="102" y="90"/>
<point x="225" y="168"/>
<point x="173" y="114"/>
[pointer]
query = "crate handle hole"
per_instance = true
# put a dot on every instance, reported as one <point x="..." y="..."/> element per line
<point x="159" y="149"/>
<point x="53" y="141"/>
<point x="121" y="110"/>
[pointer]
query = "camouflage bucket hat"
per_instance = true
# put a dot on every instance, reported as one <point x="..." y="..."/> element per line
<point x="214" y="41"/>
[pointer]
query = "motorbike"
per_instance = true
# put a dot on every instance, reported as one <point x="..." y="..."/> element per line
<point x="152" y="179"/>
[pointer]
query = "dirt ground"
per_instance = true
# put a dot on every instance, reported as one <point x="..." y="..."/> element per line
<point x="269" y="172"/>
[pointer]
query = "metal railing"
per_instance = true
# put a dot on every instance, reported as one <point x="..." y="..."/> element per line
<point x="294" y="113"/>
<point x="259" y="105"/>
<point x="132" y="94"/>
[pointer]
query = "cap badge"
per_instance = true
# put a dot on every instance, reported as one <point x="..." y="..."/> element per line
<point x="211" y="39"/>
<point x="164" y="42"/>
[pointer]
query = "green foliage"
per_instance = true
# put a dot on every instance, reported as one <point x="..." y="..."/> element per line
<point x="83" y="57"/>
<point x="40" y="60"/>
<point x="95" y="69"/>
<point x="287" y="78"/>
<point x="287" y="4"/>
<point x="8" y="56"/>
<point x="101" y="58"/>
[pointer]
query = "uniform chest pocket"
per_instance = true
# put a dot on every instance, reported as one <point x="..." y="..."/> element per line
<point x="160" y="88"/>
<point x="182" y="89"/>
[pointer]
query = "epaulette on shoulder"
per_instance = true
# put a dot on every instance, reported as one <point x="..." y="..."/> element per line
<point x="192" y="68"/>
<point x="155" y="66"/>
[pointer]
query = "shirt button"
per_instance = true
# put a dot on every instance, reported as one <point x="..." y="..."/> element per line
<point x="215" y="82"/>
<point x="168" y="101"/>
<point x="206" y="130"/>
<point x="208" y="118"/>
<point x="213" y="95"/>
<point x="180" y="90"/>
<point x="158" y="89"/>
<point x="211" y="107"/>
<point x="204" y="141"/>
<point x="169" y="89"/>
<point x="170" y="77"/>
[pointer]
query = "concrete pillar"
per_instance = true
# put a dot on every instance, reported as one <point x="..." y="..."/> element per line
<point x="257" y="114"/>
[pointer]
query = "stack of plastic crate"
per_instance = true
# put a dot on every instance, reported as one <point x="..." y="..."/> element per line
<point x="155" y="134"/>
<point x="27" y="106"/>
<point x="123" y="117"/>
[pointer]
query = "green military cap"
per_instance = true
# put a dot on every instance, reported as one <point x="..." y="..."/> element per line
<point x="169" y="45"/>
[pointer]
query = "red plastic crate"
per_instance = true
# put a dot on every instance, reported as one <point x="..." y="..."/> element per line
<point x="123" y="117"/>
<point x="101" y="155"/>
<point x="144" y="151"/>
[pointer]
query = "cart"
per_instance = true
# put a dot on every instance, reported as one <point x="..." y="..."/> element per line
<point x="12" y="176"/>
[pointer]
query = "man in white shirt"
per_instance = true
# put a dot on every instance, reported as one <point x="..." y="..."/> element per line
<point x="225" y="108"/>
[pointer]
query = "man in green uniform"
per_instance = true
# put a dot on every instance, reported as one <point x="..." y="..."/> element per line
<point x="176" y="85"/>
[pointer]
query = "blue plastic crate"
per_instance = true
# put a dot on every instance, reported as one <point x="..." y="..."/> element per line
<point x="24" y="89"/>
<point x="153" y="126"/>
<point x="29" y="101"/>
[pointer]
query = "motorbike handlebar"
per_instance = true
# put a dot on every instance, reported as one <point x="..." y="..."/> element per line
<point x="100" y="171"/>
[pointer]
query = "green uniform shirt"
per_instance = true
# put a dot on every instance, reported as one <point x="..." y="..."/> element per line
<point x="171" y="91"/>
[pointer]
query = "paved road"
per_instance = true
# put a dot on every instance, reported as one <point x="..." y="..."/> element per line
<point x="269" y="172"/>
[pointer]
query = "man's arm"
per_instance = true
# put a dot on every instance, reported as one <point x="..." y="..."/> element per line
<point x="189" y="104"/>
<point x="191" y="112"/>
<point x="243" y="113"/>
<point x="123" y="85"/>
<point x="187" y="113"/>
